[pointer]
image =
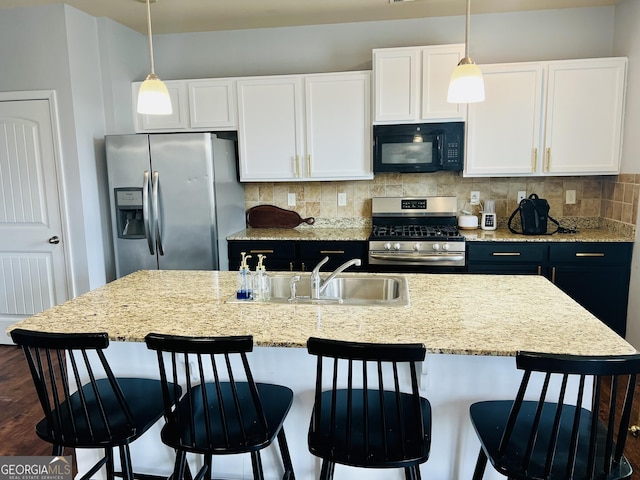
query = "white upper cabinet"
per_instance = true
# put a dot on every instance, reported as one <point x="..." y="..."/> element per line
<point x="338" y="126"/>
<point x="305" y="127"/>
<point x="212" y="103"/>
<point x="411" y="84"/>
<point x="548" y="118"/>
<point x="270" y="141"/>
<point x="179" y="118"/>
<point x="503" y="132"/>
<point x="198" y="105"/>
<point x="585" y="107"/>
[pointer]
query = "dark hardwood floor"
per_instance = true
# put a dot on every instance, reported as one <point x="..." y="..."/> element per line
<point x="20" y="411"/>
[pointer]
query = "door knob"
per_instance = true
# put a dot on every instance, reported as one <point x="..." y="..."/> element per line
<point x="54" y="240"/>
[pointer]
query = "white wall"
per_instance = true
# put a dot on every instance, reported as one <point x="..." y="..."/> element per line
<point x="540" y="35"/>
<point x="627" y="43"/>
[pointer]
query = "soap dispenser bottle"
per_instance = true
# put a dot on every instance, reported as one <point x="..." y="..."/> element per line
<point x="261" y="282"/>
<point x="245" y="283"/>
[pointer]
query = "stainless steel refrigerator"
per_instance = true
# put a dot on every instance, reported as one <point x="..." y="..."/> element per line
<point x="174" y="200"/>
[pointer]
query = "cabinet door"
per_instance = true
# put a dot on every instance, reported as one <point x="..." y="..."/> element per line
<point x="438" y="63"/>
<point x="212" y="104"/>
<point x="270" y="135"/>
<point x="397" y="84"/>
<point x="596" y="275"/>
<point x="179" y="118"/>
<point x="503" y="132"/>
<point x="584" y="116"/>
<point x="338" y="126"/>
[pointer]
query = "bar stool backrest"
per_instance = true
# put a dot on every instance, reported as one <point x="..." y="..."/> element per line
<point x="557" y="433"/>
<point x="383" y="426"/>
<point x="59" y="363"/>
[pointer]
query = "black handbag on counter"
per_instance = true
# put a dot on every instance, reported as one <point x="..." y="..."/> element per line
<point x="534" y="214"/>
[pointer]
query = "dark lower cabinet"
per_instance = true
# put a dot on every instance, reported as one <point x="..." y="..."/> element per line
<point x="516" y="258"/>
<point x="298" y="255"/>
<point x="279" y="254"/>
<point x="594" y="274"/>
<point x="312" y="252"/>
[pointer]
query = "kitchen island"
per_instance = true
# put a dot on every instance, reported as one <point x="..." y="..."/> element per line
<point x="471" y="325"/>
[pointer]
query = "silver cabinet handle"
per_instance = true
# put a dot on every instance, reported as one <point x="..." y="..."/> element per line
<point x="55" y="240"/>
<point x="505" y="254"/>
<point x="589" y="254"/>
<point x="156" y="212"/>
<point x="146" y="214"/>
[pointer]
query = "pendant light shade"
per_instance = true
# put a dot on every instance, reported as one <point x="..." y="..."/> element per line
<point x="466" y="84"/>
<point x="153" y="96"/>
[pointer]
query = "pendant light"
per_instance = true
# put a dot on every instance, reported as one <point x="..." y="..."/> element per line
<point x="466" y="84"/>
<point x="153" y="96"/>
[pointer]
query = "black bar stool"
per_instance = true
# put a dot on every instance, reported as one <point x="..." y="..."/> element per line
<point x="376" y="422"/>
<point x="551" y="438"/>
<point x="104" y="412"/>
<point x="223" y="410"/>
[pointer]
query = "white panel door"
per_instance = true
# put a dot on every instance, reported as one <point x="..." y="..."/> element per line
<point x="503" y="132"/>
<point x="32" y="260"/>
<point x="397" y="84"/>
<point x="438" y="63"/>
<point x="270" y="128"/>
<point x="584" y="115"/>
<point x="338" y="126"/>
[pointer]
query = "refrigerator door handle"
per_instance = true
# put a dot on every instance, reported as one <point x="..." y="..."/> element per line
<point x="156" y="212"/>
<point x="145" y="212"/>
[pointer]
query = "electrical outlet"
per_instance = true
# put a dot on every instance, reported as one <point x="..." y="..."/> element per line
<point x="291" y="199"/>
<point x="342" y="199"/>
<point x="521" y="195"/>
<point x="570" y="197"/>
<point x="475" y="198"/>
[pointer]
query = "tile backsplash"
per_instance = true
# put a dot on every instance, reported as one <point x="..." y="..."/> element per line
<point x="610" y="201"/>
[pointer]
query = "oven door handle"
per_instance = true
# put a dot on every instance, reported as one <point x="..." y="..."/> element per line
<point x="421" y="258"/>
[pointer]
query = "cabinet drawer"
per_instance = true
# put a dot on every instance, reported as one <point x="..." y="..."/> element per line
<point x="312" y="252"/>
<point x="506" y="252"/>
<point x="593" y="253"/>
<point x="279" y="255"/>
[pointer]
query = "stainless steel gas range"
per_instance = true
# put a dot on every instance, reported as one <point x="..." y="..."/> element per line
<point x="415" y="234"/>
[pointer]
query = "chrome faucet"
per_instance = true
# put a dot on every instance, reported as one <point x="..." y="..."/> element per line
<point x="318" y="286"/>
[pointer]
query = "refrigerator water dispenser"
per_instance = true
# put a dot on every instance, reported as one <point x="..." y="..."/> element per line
<point x="129" y="215"/>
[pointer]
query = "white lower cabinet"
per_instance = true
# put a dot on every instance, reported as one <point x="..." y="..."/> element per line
<point x="548" y="118"/>
<point x="305" y="127"/>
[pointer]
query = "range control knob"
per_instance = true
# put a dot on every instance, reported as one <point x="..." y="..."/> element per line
<point x="446" y="247"/>
<point x="436" y="247"/>
<point x="387" y="246"/>
<point x="416" y="247"/>
<point x="396" y="246"/>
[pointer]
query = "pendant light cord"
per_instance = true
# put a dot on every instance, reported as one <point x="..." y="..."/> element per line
<point x="150" y="39"/>
<point x="466" y="34"/>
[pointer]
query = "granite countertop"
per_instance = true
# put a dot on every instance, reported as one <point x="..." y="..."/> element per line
<point x="454" y="314"/>
<point x="362" y="234"/>
<point x="583" y="235"/>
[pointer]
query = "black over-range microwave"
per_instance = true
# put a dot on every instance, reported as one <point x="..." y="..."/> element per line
<point x="424" y="147"/>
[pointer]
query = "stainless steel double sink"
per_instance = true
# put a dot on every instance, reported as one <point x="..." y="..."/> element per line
<point x="346" y="289"/>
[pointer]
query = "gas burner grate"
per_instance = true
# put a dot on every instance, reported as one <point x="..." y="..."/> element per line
<point x="415" y="231"/>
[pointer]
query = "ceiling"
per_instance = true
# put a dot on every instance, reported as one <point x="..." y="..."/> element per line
<point x="176" y="16"/>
